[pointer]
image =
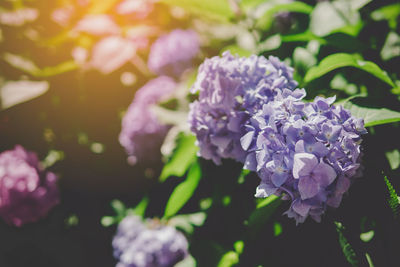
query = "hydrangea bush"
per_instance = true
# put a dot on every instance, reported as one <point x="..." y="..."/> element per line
<point x="245" y="110"/>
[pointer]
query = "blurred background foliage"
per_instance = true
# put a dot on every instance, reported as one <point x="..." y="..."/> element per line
<point x="58" y="100"/>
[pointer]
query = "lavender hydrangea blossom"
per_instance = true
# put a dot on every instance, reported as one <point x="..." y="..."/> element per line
<point x="310" y="151"/>
<point x="142" y="134"/>
<point x="231" y="89"/>
<point x="149" y="244"/>
<point x="27" y="192"/>
<point x="173" y="53"/>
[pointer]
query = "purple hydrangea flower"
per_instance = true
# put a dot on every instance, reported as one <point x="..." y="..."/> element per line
<point x="149" y="244"/>
<point x="232" y="89"/>
<point x="27" y="192"/>
<point x="310" y="151"/>
<point x="142" y="134"/>
<point x="173" y="53"/>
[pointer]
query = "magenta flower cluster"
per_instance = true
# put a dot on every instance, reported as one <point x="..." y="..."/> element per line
<point x="142" y="134"/>
<point x="249" y="110"/>
<point x="149" y="244"/>
<point x="27" y="192"/>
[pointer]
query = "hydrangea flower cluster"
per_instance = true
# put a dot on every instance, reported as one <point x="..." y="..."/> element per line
<point x="231" y="89"/>
<point x="149" y="244"/>
<point x="173" y="53"/>
<point x="27" y="192"/>
<point x="142" y="134"/>
<point x="307" y="152"/>
<point x="310" y="151"/>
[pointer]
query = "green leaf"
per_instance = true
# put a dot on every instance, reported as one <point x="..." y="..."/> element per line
<point x="248" y="4"/>
<point x="229" y="259"/>
<point x="188" y="261"/>
<point x="391" y="48"/>
<point x="369" y="260"/>
<point x="328" y="17"/>
<point x="118" y="207"/>
<point x="56" y="70"/>
<point x="121" y="211"/>
<point x="107" y="221"/>
<point x="372" y="116"/>
<point x="183" y="156"/>
<point x="216" y="9"/>
<point x="346" y="42"/>
<point x="243" y="175"/>
<point x="184" y="191"/>
<point x="339" y="82"/>
<point x="239" y="246"/>
<point x="187" y="222"/>
<point x="345" y="245"/>
<point x="140" y="208"/>
<point x="389" y="13"/>
<point x="16" y="92"/>
<point x="367" y="236"/>
<point x="237" y="50"/>
<point x="394" y="199"/>
<point x="29" y="67"/>
<point x="20" y="62"/>
<point x="266" y="20"/>
<point x="303" y="58"/>
<point x="302" y="37"/>
<point x="267" y="201"/>
<point x="351" y="30"/>
<point x="394" y="158"/>
<point x="271" y="43"/>
<point x="52" y="157"/>
<point x="262" y="213"/>
<point x="277" y="229"/>
<point x="357" y="4"/>
<point x="341" y="60"/>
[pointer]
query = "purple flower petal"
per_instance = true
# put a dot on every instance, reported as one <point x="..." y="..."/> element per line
<point x="246" y="140"/>
<point x="279" y="179"/>
<point x="342" y="185"/>
<point x="303" y="164"/>
<point x="265" y="190"/>
<point x="308" y="187"/>
<point x="324" y="174"/>
<point x="300" y="207"/>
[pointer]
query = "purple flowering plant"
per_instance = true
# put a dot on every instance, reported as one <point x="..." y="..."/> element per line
<point x="27" y="191"/>
<point x="172" y="53"/>
<point x="142" y="133"/>
<point x="148" y="243"/>
<point x="272" y="121"/>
